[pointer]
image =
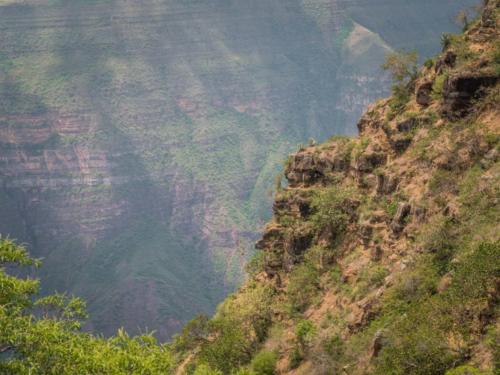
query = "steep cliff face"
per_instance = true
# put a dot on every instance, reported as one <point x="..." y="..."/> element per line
<point x="382" y="256"/>
<point x="138" y="139"/>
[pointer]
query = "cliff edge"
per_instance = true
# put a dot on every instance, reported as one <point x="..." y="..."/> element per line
<point x="382" y="256"/>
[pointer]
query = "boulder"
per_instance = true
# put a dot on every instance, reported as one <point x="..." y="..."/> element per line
<point x="369" y="120"/>
<point x="369" y="160"/>
<point x="407" y="125"/>
<point x="295" y="246"/>
<point x="272" y="236"/>
<point x="460" y="90"/>
<point x="423" y="93"/>
<point x="400" y="143"/>
<point x="448" y="60"/>
<point x="377" y="343"/>
<point x="366" y="233"/>
<point x="293" y="205"/>
<point x="399" y="220"/>
<point x="309" y="167"/>
<point x="386" y="184"/>
<point x="376" y="253"/>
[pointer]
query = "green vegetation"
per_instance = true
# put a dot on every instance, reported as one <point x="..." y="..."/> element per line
<point x="437" y="87"/>
<point x="230" y="340"/>
<point x="419" y="337"/>
<point x="332" y="210"/>
<point x="168" y="110"/>
<point x="264" y="363"/>
<point x="403" y="69"/>
<point x="303" y="286"/>
<point x="305" y="332"/>
<point x="467" y="370"/>
<point x="42" y="335"/>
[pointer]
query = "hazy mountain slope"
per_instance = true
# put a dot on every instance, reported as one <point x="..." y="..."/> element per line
<point x="139" y="140"/>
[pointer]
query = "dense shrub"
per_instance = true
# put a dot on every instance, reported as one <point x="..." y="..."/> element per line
<point x="296" y="357"/>
<point x="193" y="334"/>
<point x="50" y="341"/>
<point x="230" y="347"/>
<point x="331" y="209"/>
<point x="206" y="370"/>
<point x="238" y="328"/>
<point x="305" y="331"/>
<point x="303" y="286"/>
<point x="437" y="87"/>
<point x="403" y="68"/>
<point x="264" y="363"/>
<point x="419" y="342"/>
<point x="256" y="263"/>
<point x="467" y="370"/>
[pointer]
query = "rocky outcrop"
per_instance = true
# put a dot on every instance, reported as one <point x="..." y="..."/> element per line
<point x="295" y="246"/>
<point x="283" y="247"/>
<point x="446" y="61"/>
<point x="306" y="168"/>
<point x="298" y="206"/>
<point x="399" y="220"/>
<point x="423" y="92"/>
<point x="462" y="88"/>
<point x="386" y="184"/>
<point x="369" y="160"/>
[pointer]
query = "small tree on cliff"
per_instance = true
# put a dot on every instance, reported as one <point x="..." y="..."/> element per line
<point x="404" y="70"/>
<point x="402" y="66"/>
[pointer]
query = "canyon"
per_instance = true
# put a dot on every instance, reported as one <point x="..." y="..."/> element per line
<point x="139" y="140"/>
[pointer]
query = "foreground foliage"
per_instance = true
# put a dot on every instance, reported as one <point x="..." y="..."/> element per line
<point x="43" y="335"/>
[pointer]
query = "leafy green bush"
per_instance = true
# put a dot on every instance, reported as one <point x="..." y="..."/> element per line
<point x="305" y="331"/>
<point x="319" y="257"/>
<point x="230" y="347"/>
<point x="402" y="65"/>
<point x="415" y="349"/>
<point x="412" y="287"/>
<point x="391" y="207"/>
<point x="331" y="210"/>
<point x="446" y="41"/>
<point x="206" y="370"/>
<point x="50" y="341"/>
<point x="440" y="239"/>
<point x="193" y="334"/>
<point x="429" y="63"/>
<point x="238" y="328"/>
<point x="334" y="347"/>
<point x="243" y="371"/>
<point x="264" y="363"/>
<point x="256" y="263"/>
<point x="421" y="327"/>
<point x="467" y="370"/>
<point x="437" y="86"/>
<point x="296" y="357"/>
<point x="303" y="286"/>
<point x="404" y="70"/>
<point x="400" y="97"/>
